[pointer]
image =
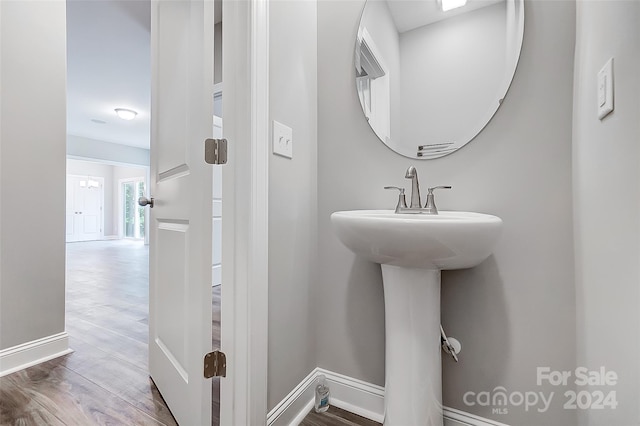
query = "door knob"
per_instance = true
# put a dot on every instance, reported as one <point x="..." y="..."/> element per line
<point x="143" y="201"/>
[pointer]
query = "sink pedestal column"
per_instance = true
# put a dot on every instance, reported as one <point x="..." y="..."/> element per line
<point x="413" y="369"/>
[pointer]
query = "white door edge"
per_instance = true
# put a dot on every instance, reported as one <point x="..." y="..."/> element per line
<point x="244" y="306"/>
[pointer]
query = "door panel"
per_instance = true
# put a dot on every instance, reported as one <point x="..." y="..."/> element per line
<point x="172" y="290"/>
<point x="85" y="198"/>
<point x="173" y="48"/>
<point x="92" y="195"/>
<point x="180" y="221"/>
<point x="90" y="227"/>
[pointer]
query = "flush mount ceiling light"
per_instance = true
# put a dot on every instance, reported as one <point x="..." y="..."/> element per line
<point x="451" y="4"/>
<point x="126" y="114"/>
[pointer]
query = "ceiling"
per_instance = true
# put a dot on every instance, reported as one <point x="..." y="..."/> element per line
<point x="108" y="67"/>
<point x="411" y="14"/>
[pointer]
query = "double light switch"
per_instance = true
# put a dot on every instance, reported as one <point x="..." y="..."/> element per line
<point x="282" y="140"/>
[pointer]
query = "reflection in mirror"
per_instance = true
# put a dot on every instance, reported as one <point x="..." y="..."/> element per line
<point x="430" y="80"/>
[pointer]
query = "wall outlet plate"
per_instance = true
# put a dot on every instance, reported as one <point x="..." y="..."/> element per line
<point x="282" y="140"/>
<point x="605" y="90"/>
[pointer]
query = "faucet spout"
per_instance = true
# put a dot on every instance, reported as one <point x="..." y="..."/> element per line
<point x="412" y="174"/>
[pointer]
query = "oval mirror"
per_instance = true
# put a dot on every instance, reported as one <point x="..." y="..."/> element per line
<point x="430" y="74"/>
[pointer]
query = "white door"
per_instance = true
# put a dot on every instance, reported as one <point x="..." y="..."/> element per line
<point x="180" y="221"/>
<point x="85" y="198"/>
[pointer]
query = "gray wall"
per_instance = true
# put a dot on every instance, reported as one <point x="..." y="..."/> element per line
<point x="514" y="312"/>
<point x="32" y="164"/>
<point x="606" y="210"/>
<point x="292" y="197"/>
<point x="445" y="61"/>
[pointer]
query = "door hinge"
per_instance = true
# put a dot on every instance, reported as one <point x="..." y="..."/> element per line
<point x="215" y="151"/>
<point x="215" y="364"/>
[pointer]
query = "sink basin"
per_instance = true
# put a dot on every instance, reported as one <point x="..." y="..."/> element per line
<point x="412" y="249"/>
<point x="449" y="240"/>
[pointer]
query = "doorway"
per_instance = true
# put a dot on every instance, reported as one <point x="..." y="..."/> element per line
<point x="96" y="88"/>
<point x="132" y="223"/>
<point x="84" y="212"/>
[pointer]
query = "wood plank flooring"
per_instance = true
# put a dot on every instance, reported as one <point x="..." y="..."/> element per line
<point x="106" y="380"/>
<point x="335" y="416"/>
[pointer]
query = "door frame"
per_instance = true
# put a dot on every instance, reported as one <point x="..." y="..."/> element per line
<point x="244" y="300"/>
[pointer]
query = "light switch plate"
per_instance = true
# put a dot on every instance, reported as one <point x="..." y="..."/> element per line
<point x="282" y="140"/>
<point x="605" y="90"/>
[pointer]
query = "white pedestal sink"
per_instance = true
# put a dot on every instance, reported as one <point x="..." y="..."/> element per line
<point x="413" y="249"/>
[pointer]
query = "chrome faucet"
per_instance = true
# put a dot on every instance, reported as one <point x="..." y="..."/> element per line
<point x="416" y="207"/>
<point x="412" y="174"/>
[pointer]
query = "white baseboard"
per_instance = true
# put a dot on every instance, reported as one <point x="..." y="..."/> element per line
<point x="110" y="237"/>
<point x="455" y="417"/>
<point x="292" y="409"/>
<point x="355" y="396"/>
<point x="31" y="353"/>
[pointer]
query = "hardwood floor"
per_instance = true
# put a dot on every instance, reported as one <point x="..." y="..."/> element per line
<point x="335" y="416"/>
<point x="106" y="380"/>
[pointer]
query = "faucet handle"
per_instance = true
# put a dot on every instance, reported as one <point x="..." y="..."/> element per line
<point x="430" y="207"/>
<point x="438" y="187"/>
<point x="402" y="201"/>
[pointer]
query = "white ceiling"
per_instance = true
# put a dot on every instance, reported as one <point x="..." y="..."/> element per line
<point x="108" y="67"/>
<point x="411" y="14"/>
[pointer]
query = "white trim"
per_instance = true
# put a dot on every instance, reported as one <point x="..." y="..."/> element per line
<point x="356" y="396"/>
<point x="455" y="417"/>
<point x="243" y="394"/>
<point x="31" y="353"/>
<point x="259" y="273"/>
<point x="296" y="404"/>
<point x="353" y="395"/>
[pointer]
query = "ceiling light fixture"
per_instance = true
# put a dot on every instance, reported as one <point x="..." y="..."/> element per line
<point x="451" y="4"/>
<point x="126" y="114"/>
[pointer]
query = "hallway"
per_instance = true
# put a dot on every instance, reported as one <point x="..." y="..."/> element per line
<point x="106" y="380"/>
